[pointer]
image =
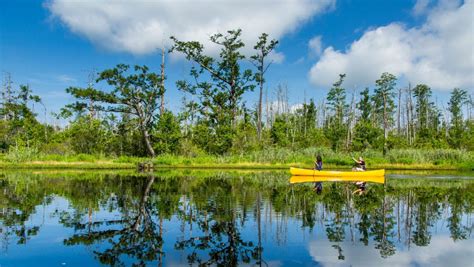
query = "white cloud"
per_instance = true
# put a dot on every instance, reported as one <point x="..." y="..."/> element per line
<point x="420" y="7"/>
<point x="142" y="26"/>
<point x="315" y="45"/>
<point x="439" y="53"/>
<point x="276" y="57"/>
<point x="64" y="78"/>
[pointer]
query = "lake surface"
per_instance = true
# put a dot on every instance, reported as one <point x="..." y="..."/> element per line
<point x="181" y="218"/>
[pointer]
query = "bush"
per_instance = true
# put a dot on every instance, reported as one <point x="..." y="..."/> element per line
<point x="18" y="154"/>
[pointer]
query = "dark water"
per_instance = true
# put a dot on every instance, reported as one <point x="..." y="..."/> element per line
<point x="232" y="218"/>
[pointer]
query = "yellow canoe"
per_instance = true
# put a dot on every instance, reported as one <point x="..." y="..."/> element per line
<point x="307" y="179"/>
<point x="311" y="172"/>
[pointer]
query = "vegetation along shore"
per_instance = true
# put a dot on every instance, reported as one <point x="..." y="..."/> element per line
<point x="407" y="159"/>
<point x="121" y="119"/>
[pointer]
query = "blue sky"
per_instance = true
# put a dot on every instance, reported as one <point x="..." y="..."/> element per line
<point x="53" y="44"/>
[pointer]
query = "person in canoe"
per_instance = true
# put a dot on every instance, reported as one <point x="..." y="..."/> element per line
<point x="359" y="165"/>
<point x="318" y="165"/>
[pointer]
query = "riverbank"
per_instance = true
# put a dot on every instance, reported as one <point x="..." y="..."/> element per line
<point x="268" y="159"/>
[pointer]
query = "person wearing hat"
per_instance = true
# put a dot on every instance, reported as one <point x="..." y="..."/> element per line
<point x="360" y="165"/>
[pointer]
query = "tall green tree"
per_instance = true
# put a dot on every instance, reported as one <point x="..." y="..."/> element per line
<point x="365" y="134"/>
<point x="457" y="100"/>
<point x="365" y="105"/>
<point x="135" y="94"/>
<point x="423" y="106"/>
<point x="383" y="98"/>
<point x="279" y="132"/>
<point x="336" y="101"/>
<point x="221" y="95"/>
<point x="263" y="47"/>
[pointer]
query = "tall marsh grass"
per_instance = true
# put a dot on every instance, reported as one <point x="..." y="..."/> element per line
<point x="278" y="157"/>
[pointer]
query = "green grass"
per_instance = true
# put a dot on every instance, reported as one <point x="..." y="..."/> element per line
<point x="272" y="158"/>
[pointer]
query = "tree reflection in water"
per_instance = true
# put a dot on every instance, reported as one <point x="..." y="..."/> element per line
<point x="227" y="218"/>
<point x="137" y="234"/>
<point x="216" y="214"/>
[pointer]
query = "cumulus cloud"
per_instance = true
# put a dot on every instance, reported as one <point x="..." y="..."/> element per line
<point x="142" y="26"/>
<point x="438" y="53"/>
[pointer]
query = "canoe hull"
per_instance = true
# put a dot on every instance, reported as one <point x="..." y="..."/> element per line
<point x="307" y="179"/>
<point x="339" y="174"/>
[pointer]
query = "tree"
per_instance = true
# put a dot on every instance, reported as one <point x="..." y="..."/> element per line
<point x="457" y="100"/>
<point x="263" y="48"/>
<point x="133" y="94"/>
<point x="422" y="93"/>
<point x="310" y="114"/>
<point x="336" y="101"/>
<point x="20" y="122"/>
<point x="87" y="135"/>
<point x="365" y="134"/>
<point x="167" y="133"/>
<point x="364" y="105"/>
<point x="220" y="97"/>
<point x="384" y="102"/>
<point x="279" y="131"/>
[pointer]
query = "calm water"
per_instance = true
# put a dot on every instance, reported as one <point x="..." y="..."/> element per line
<point x="233" y="218"/>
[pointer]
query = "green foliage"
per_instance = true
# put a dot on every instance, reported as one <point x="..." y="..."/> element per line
<point x="245" y="139"/>
<point x="220" y="97"/>
<point x="167" y="134"/>
<point x="383" y="98"/>
<point x="21" y="153"/>
<point x="134" y="94"/>
<point x="365" y="105"/>
<point x="457" y="100"/>
<point x="280" y="132"/>
<point x="215" y="126"/>
<point x="263" y="48"/>
<point x="366" y="136"/>
<point x="88" y="136"/>
<point x="335" y="127"/>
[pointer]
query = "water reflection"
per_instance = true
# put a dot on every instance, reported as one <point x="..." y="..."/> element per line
<point x="226" y="219"/>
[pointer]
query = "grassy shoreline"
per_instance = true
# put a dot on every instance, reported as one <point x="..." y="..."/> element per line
<point x="409" y="159"/>
<point x="111" y="165"/>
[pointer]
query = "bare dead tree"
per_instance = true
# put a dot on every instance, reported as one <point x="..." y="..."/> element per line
<point x="399" y="109"/>
<point x="7" y="93"/>
<point x="91" y="77"/>
<point x="162" y="95"/>
<point x="351" y="118"/>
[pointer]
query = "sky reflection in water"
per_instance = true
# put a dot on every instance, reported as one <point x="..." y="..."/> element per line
<point x="231" y="218"/>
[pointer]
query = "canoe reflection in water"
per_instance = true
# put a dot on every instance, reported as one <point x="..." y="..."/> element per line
<point x="318" y="182"/>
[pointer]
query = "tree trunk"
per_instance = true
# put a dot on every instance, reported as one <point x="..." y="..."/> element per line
<point x="399" y="110"/>
<point x="162" y="107"/>
<point x="411" y="123"/>
<point x="351" y="123"/>
<point x="143" y="201"/>
<point x="149" y="147"/>
<point x="385" y="132"/>
<point x="259" y="115"/>
<point x="266" y="107"/>
<point x="233" y="103"/>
